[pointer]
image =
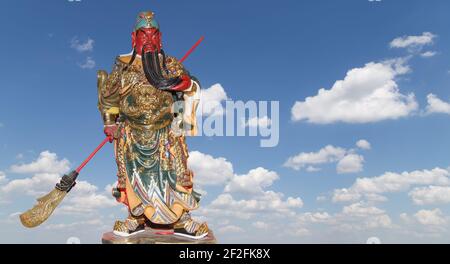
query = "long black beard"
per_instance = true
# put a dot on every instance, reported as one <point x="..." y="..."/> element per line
<point x="154" y="72"/>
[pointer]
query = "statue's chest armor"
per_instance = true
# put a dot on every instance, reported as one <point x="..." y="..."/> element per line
<point x="143" y="103"/>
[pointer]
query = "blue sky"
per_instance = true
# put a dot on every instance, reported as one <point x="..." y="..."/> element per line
<point x="253" y="50"/>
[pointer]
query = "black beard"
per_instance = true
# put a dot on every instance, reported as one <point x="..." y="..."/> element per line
<point x="154" y="73"/>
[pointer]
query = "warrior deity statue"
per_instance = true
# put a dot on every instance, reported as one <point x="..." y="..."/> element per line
<point x="137" y="101"/>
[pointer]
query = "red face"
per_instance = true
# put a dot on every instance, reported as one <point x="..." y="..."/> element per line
<point x="147" y="38"/>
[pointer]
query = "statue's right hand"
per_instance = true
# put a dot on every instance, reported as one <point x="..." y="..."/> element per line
<point x="110" y="131"/>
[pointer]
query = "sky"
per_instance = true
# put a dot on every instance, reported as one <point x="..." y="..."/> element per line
<point x="364" y="110"/>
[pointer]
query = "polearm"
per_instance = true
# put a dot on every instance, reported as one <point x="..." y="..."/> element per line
<point x="192" y="49"/>
<point x="48" y="203"/>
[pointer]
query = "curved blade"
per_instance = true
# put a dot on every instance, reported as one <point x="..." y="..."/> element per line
<point x="43" y="209"/>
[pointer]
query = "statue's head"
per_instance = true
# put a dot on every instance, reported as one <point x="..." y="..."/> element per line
<point x="146" y="41"/>
<point x="146" y="36"/>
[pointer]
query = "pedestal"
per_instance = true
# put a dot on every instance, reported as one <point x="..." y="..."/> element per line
<point x="154" y="236"/>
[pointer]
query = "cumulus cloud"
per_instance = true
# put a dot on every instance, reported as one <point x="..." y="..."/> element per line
<point x="259" y="122"/>
<point x="2" y="176"/>
<point x="315" y="217"/>
<point x="367" y="217"/>
<point x="253" y="182"/>
<point x="433" y="217"/>
<point x="391" y="182"/>
<point x="428" y="54"/>
<point x="47" y="162"/>
<point x="261" y="225"/>
<point x="347" y="160"/>
<point x="263" y="205"/>
<point x="355" y="217"/>
<point x="431" y="195"/>
<point x="209" y="170"/>
<point x="363" y="144"/>
<point x="246" y="198"/>
<point x="327" y="154"/>
<point x="88" y="64"/>
<point x="86" y="198"/>
<point x="436" y="105"/>
<point x="230" y="229"/>
<point x="413" y="42"/>
<point x="360" y="209"/>
<point x="351" y="163"/>
<point x="211" y="100"/>
<point x="80" y="46"/>
<point x="367" y="94"/>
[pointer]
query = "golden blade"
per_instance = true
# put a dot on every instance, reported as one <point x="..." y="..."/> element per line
<point x="43" y="209"/>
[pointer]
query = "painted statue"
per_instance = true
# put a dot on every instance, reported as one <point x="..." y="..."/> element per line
<point x="143" y="102"/>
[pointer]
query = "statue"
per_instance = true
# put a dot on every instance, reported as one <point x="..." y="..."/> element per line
<point x="148" y="104"/>
<point x="143" y="102"/>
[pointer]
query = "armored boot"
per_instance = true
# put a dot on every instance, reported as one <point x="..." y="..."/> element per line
<point x="187" y="227"/>
<point x="131" y="226"/>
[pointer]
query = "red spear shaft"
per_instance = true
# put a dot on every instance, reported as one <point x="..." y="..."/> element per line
<point x="92" y="155"/>
<point x="192" y="49"/>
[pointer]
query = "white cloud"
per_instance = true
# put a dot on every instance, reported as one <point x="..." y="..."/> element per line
<point x="317" y="217"/>
<point x="209" y="170"/>
<point x="253" y="182"/>
<point x="365" y="216"/>
<point x="363" y="144"/>
<point x="245" y="197"/>
<point x="367" y="94"/>
<point x="436" y="105"/>
<point x="313" y="169"/>
<point x="428" y="54"/>
<point x="327" y="154"/>
<point x="405" y="218"/>
<point x="88" y="64"/>
<point x="345" y="195"/>
<point x="351" y="163"/>
<point x="230" y="229"/>
<point x="211" y="100"/>
<point x="260" y="225"/>
<point x="431" y="195"/>
<point x="79" y="46"/>
<point x="413" y="42"/>
<point x="259" y="122"/>
<point x="2" y="176"/>
<point x="266" y="204"/>
<point x="355" y="217"/>
<point x="74" y="225"/>
<point x="347" y="160"/>
<point x="47" y="162"/>
<point x="433" y="217"/>
<point x="46" y="170"/>
<point x="321" y="198"/>
<point x="391" y="182"/>
<point x="38" y="184"/>
<point x="85" y="198"/>
<point x="360" y="209"/>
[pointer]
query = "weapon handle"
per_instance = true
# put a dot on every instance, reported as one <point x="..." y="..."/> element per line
<point x="86" y="161"/>
<point x="192" y="49"/>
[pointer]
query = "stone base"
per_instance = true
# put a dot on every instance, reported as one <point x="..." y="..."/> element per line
<point x="155" y="236"/>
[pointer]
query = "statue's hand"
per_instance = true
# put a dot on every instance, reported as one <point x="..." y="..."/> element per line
<point x="110" y="131"/>
<point x="120" y="195"/>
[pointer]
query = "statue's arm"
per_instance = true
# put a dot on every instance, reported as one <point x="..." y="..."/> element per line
<point x="108" y="93"/>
